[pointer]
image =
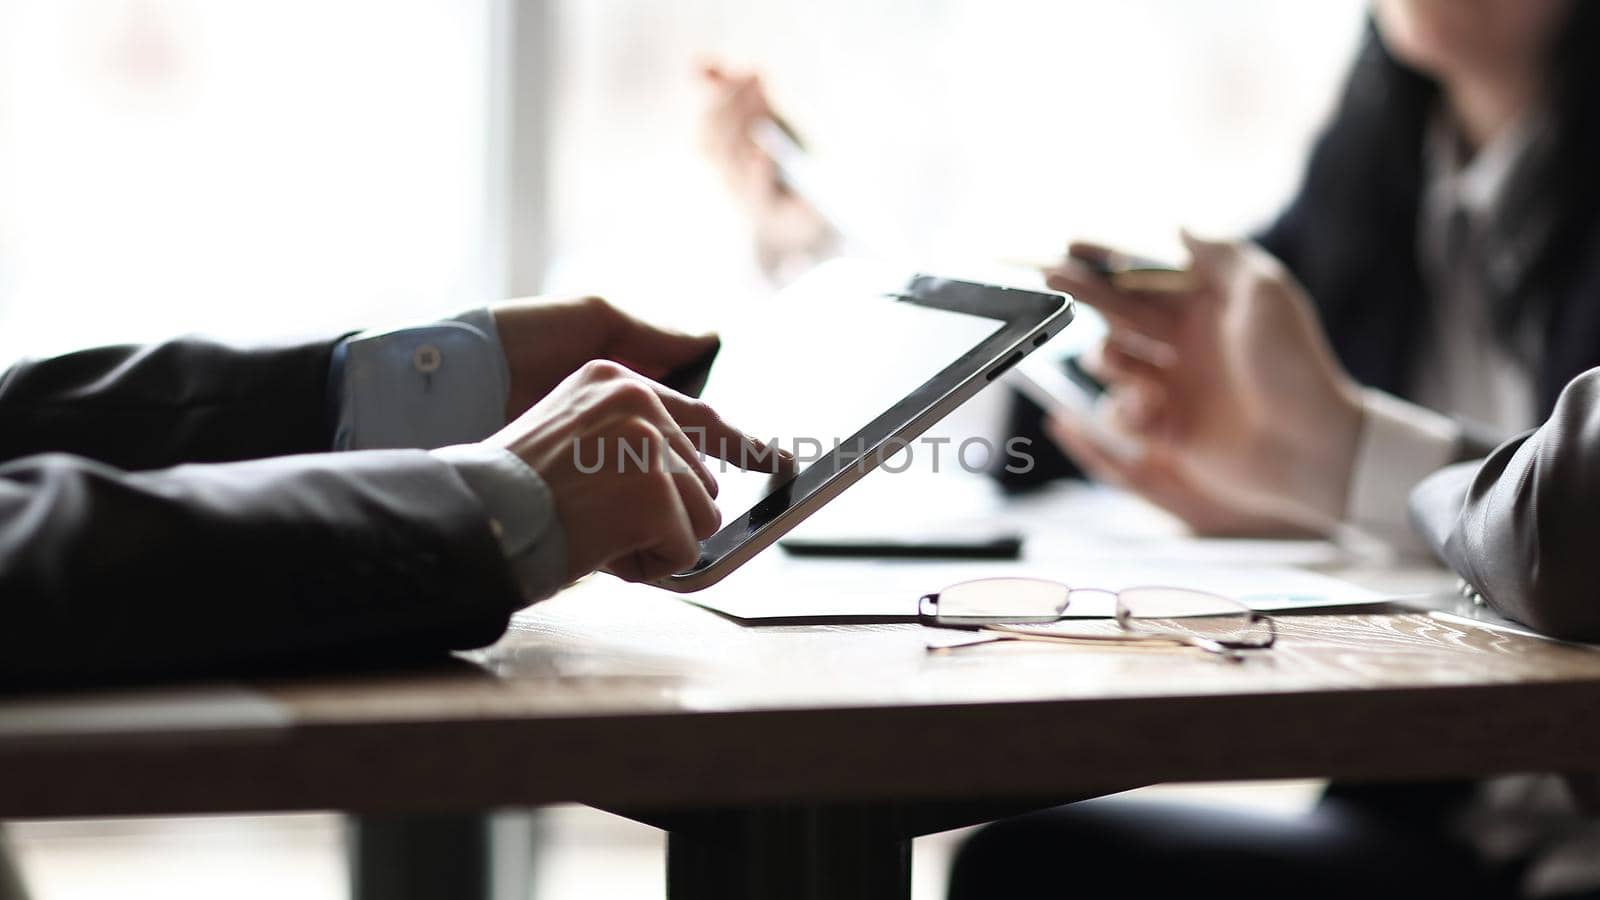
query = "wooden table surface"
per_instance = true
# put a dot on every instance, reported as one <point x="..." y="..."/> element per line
<point x="623" y="696"/>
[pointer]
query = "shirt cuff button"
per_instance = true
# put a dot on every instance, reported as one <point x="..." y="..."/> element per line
<point x="427" y="359"/>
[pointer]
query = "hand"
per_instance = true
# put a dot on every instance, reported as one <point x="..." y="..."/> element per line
<point x="1160" y="477"/>
<point x="620" y="454"/>
<point x="1249" y="422"/>
<point x="547" y="340"/>
<point x="785" y="224"/>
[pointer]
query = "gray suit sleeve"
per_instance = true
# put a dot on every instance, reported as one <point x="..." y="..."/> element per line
<point x="300" y="560"/>
<point x="1522" y="526"/>
<point x="159" y="405"/>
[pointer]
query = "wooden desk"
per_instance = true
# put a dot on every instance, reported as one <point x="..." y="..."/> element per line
<point x="797" y="761"/>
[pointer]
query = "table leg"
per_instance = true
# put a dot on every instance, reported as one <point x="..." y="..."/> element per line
<point x="413" y="857"/>
<point x="469" y="856"/>
<point x="808" y="852"/>
<point x="11" y="887"/>
<point x="791" y="853"/>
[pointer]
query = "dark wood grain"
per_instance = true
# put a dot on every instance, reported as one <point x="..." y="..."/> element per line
<point x="625" y="697"/>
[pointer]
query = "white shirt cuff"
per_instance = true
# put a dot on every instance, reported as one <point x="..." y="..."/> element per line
<point x="1401" y="444"/>
<point x="521" y="511"/>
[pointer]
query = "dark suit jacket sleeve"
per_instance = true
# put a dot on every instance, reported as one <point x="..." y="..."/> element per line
<point x="1523" y="526"/>
<point x="188" y="400"/>
<point x="205" y="568"/>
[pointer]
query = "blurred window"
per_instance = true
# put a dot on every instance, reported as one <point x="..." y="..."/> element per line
<point x="243" y="167"/>
<point x="238" y="167"/>
<point x="982" y="128"/>
<point x="976" y="130"/>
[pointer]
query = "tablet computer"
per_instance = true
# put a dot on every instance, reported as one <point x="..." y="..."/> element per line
<point x="968" y="333"/>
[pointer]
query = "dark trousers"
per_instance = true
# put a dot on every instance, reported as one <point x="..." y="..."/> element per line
<point x="1359" y="842"/>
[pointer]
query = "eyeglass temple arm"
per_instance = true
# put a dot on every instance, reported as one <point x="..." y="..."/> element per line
<point x="1128" y="638"/>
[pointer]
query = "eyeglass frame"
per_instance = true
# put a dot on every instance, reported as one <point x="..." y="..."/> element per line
<point x="1227" y="648"/>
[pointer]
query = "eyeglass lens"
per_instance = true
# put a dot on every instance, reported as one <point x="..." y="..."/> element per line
<point x="1164" y="610"/>
<point x="1003" y="600"/>
<point x="1148" y="610"/>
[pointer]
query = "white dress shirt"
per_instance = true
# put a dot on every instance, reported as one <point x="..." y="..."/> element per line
<point x="1465" y="371"/>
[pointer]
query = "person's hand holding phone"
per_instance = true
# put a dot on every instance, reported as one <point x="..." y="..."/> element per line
<point x="1249" y="423"/>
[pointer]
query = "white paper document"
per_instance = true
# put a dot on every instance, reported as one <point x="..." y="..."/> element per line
<point x="779" y="588"/>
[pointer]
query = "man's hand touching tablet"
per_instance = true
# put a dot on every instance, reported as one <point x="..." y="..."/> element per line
<point x="547" y="340"/>
<point x="1249" y="422"/>
<point x="621" y="456"/>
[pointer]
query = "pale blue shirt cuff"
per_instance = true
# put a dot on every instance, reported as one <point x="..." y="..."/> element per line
<point x="424" y="386"/>
<point x="444" y="385"/>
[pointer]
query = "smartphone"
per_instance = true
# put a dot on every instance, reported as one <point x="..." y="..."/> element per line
<point x="1128" y="272"/>
<point x="1067" y="391"/>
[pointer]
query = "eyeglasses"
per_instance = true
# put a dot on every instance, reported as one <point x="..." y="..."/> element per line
<point x="1017" y="608"/>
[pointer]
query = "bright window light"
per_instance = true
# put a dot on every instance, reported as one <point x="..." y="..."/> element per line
<point x="242" y="167"/>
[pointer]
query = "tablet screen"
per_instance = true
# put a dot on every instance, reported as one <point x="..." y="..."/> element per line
<point x="836" y="371"/>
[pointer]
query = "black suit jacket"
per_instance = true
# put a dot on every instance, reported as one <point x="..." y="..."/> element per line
<point x="1523" y="526"/>
<point x="169" y="510"/>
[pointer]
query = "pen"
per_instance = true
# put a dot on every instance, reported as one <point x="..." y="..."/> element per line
<point x="861" y="228"/>
<point x="787" y="129"/>
<point x="1125" y="271"/>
